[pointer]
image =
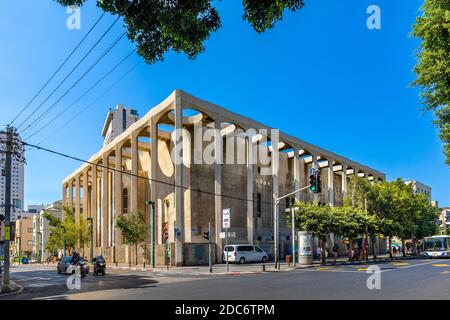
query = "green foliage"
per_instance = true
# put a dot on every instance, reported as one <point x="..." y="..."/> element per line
<point x="157" y="27"/>
<point x="66" y="229"/>
<point x="389" y="208"/>
<point x="433" y="68"/>
<point x="133" y="228"/>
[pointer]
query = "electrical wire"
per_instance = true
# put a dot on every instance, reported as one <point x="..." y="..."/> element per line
<point x="82" y="95"/>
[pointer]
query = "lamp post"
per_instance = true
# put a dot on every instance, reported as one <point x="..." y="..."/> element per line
<point x="91" y="237"/>
<point x="152" y="204"/>
<point x="18" y="248"/>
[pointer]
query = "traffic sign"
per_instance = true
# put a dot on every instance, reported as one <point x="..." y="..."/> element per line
<point x="226" y="216"/>
<point x="230" y="235"/>
<point x="312" y="170"/>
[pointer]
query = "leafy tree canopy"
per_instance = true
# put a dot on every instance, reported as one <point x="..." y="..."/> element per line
<point x="159" y="26"/>
<point x="433" y="68"/>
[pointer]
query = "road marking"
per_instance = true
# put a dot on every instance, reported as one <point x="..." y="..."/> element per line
<point x="444" y="272"/>
<point x="399" y="264"/>
<point x="440" y="265"/>
<point x="361" y="269"/>
<point x="323" y="268"/>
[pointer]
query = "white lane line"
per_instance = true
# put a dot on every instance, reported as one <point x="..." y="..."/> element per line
<point x="410" y="266"/>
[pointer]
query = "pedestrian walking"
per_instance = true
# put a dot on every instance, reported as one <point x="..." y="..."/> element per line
<point x="318" y="252"/>
<point x="335" y="251"/>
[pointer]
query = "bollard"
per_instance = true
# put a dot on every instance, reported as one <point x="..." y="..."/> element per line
<point x="264" y="268"/>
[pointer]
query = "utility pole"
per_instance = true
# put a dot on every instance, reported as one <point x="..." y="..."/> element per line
<point x="12" y="149"/>
<point x="6" y="287"/>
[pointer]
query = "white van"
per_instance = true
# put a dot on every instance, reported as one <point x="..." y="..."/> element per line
<point x="242" y="253"/>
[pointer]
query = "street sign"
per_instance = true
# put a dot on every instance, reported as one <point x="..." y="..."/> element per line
<point x="230" y="235"/>
<point x="226" y="218"/>
<point x="312" y="170"/>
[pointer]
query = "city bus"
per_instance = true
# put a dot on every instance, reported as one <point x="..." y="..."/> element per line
<point x="436" y="247"/>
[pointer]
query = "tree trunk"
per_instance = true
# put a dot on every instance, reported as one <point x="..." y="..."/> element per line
<point x="323" y="252"/>
<point x="414" y="246"/>
<point x="390" y="247"/>
<point x="374" y="252"/>
<point x="403" y="248"/>
<point x="136" y="249"/>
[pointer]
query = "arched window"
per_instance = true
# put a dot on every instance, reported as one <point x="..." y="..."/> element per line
<point x="125" y="200"/>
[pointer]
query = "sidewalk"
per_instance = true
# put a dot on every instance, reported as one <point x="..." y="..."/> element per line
<point x="251" y="268"/>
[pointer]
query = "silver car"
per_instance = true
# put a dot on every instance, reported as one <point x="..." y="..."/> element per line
<point x="242" y="253"/>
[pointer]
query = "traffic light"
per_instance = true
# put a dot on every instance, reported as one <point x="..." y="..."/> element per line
<point x="313" y="183"/>
<point x="206" y="235"/>
<point x="318" y="183"/>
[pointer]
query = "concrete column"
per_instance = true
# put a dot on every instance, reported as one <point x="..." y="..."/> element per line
<point x="297" y="173"/>
<point x="94" y="202"/>
<point x="117" y="240"/>
<point x="275" y="193"/>
<point x="85" y="193"/>
<point x="303" y="179"/>
<point x="179" y="191"/>
<point x="218" y="193"/>
<point x="250" y="187"/>
<point x="77" y="199"/>
<point x="315" y="165"/>
<point x="105" y="206"/>
<point x="134" y="173"/>
<point x="344" y="181"/>
<point x="330" y="183"/>
<point x="70" y="204"/>
<point x="64" y="194"/>
<point x="153" y="174"/>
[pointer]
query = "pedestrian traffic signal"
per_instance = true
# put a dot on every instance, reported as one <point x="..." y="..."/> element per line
<point x="206" y="235"/>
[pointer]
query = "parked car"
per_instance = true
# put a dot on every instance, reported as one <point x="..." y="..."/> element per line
<point x="64" y="264"/>
<point x="242" y="253"/>
<point x="99" y="265"/>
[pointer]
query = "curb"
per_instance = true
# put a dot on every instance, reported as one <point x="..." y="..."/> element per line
<point x="19" y="290"/>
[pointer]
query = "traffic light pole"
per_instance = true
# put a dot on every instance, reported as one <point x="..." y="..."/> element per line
<point x="209" y="247"/>
<point x="6" y="286"/>
<point x="275" y="209"/>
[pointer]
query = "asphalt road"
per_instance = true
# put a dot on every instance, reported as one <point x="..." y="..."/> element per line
<point x="410" y="279"/>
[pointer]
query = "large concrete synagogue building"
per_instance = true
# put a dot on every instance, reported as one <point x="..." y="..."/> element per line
<point x="136" y="167"/>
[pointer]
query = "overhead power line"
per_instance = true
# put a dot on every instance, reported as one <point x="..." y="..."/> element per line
<point x="58" y="69"/>
<point x="136" y="175"/>
<point x="81" y="96"/>
<point x="34" y="123"/>
<point x="90" y="104"/>
<point x="72" y="71"/>
<point x="79" y="63"/>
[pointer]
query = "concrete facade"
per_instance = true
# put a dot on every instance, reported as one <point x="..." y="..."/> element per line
<point x="420" y="188"/>
<point x="145" y="162"/>
<point x="41" y="230"/>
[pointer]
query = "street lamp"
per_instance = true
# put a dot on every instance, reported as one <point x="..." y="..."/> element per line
<point x="152" y="204"/>
<point x="91" y="231"/>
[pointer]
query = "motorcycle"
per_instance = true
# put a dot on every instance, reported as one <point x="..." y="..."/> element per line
<point x="82" y="265"/>
<point x="99" y="265"/>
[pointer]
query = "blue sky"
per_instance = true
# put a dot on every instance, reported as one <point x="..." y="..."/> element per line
<point x="320" y="65"/>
